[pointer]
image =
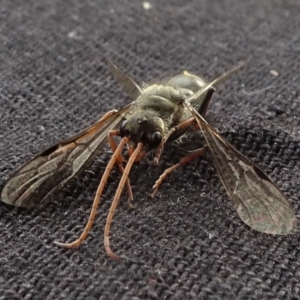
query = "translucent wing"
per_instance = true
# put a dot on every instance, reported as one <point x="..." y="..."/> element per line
<point x="53" y="168"/>
<point x="258" y="201"/>
<point x="216" y="82"/>
<point x="129" y="86"/>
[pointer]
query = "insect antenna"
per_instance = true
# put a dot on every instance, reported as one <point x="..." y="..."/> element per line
<point x="115" y="202"/>
<point x="96" y="202"/>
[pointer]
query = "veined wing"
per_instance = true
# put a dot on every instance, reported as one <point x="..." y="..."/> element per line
<point x="39" y="178"/>
<point x="217" y="82"/>
<point x="129" y="86"/>
<point x="257" y="199"/>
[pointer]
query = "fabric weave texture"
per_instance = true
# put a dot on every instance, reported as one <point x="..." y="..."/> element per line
<point x="188" y="242"/>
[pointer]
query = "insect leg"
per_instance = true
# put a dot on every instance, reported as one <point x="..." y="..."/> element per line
<point x="181" y="163"/>
<point x="115" y="202"/>
<point x="120" y="160"/>
<point x="114" y="146"/>
<point x="185" y="124"/>
<point x="157" y="156"/>
<point x="97" y="198"/>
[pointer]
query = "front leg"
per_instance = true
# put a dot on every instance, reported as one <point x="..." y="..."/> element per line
<point x="185" y="124"/>
<point x="157" y="156"/>
<point x="119" y="161"/>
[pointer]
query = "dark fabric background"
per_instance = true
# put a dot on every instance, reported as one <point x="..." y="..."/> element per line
<point x="188" y="242"/>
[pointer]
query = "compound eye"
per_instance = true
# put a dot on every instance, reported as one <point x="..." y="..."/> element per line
<point x="123" y="130"/>
<point x="156" y="139"/>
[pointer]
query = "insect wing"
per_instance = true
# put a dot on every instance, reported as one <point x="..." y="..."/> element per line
<point x="258" y="201"/>
<point x="216" y="82"/>
<point x="129" y="86"/>
<point x="39" y="178"/>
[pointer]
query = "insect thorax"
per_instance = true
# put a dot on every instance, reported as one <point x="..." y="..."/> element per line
<point x="157" y="110"/>
<point x="164" y="101"/>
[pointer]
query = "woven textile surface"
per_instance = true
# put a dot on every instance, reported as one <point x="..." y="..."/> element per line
<point x="188" y="242"/>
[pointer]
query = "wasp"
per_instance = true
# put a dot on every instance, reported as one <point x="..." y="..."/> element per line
<point x="159" y="113"/>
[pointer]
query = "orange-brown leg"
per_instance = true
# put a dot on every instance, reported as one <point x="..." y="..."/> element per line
<point x="96" y="202"/>
<point x="187" y="123"/>
<point x="157" y="156"/>
<point x="158" y="153"/>
<point x="120" y="160"/>
<point x="115" y="202"/>
<point x="168" y="171"/>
